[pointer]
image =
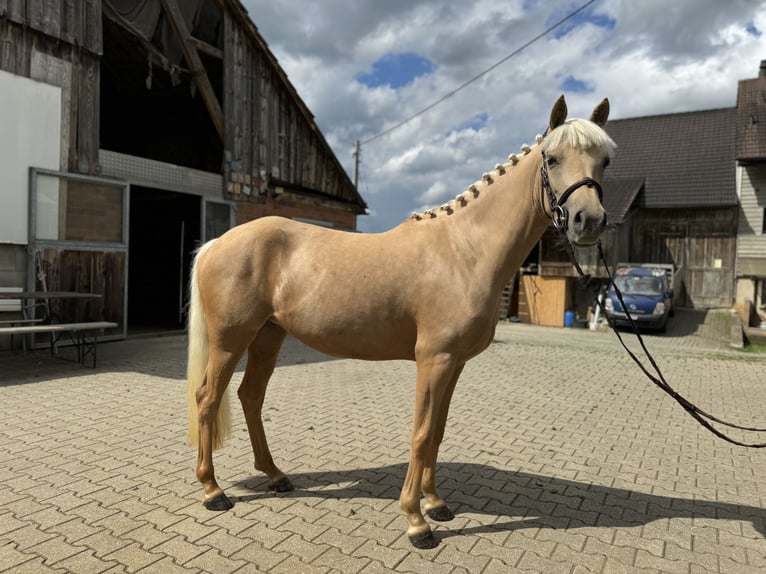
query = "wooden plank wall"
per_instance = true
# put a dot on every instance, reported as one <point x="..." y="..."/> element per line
<point x="546" y="299"/>
<point x="267" y="131"/>
<point x="702" y="244"/>
<point x="76" y="22"/>
<point x="81" y="90"/>
<point x="555" y="262"/>
<point x="87" y="272"/>
<point x="752" y="240"/>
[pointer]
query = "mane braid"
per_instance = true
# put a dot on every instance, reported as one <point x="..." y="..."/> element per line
<point x="488" y="179"/>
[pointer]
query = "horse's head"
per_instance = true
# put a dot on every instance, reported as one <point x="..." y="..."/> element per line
<point x="575" y="154"/>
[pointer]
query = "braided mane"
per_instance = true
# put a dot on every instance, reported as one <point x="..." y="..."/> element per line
<point x="576" y="132"/>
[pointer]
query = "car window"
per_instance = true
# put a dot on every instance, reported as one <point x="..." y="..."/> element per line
<point x="638" y="286"/>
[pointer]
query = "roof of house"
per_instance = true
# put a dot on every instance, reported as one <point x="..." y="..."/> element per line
<point x="684" y="160"/>
<point x="751" y="119"/>
<point x="619" y="196"/>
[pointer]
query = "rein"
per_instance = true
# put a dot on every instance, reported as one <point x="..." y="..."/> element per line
<point x="559" y="218"/>
<point x="703" y="418"/>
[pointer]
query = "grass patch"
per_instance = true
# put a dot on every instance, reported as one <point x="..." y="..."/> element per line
<point x="754" y="348"/>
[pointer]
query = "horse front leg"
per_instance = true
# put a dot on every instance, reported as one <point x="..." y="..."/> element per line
<point x="261" y="360"/>
<point x="220" y="368"/>
<point x="435" y="506"/>
<point x="435" y="375"/>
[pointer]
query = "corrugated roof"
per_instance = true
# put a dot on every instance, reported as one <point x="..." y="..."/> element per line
<point x="751" y="119"/>
<point x="685" y="159"/>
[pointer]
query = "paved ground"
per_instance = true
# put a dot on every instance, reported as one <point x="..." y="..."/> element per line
<point x="559" y="457"/>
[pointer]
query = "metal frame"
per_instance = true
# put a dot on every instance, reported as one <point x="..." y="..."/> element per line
<point x="203" y="216"/>
<point x="36" y="245"/>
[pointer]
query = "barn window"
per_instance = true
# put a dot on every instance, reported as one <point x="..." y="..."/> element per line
<point x="79" y="208"/>
<point x="763" y="222"/>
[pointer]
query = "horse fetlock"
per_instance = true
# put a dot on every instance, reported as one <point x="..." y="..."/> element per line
<point x="205" y="474"/>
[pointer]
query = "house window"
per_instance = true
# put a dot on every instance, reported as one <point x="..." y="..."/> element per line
<point x="763" y="222"/>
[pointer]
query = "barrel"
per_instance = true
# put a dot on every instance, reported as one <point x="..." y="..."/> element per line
<point x="569" y="318"/>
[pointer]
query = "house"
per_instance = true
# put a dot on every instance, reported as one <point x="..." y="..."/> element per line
<point x="671" y="197"/>
<point x="751" y="190"/>
<point x="133" y="131"/>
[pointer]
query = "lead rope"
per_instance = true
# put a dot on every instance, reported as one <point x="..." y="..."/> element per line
<point x="698" y="414"/>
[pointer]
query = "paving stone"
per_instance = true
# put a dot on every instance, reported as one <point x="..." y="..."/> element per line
<point x="593" y="471"/>
<point x="85" y="562"/>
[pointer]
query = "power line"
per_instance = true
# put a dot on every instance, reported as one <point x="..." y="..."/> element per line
<point x="481" y="74"/>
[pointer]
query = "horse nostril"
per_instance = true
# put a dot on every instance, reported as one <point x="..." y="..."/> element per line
<point x="578" y="219"/>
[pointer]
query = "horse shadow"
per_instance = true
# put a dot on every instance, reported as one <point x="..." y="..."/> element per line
<point x="523" y="499"/>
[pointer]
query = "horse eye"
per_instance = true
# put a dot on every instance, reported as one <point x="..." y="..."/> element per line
<point x="607" y="161"/>
<point x="552" y="161"/>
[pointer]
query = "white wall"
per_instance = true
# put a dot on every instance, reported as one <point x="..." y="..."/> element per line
<point x="30" y="136"/>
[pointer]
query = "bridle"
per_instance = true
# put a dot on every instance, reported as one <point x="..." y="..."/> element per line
<point x="559" y="213"/>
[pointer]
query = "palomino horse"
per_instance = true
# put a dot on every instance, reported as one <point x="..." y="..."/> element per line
<point x="428" y="290"/>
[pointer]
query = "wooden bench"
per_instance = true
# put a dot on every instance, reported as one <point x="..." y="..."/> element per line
<point x="83" y="335"/>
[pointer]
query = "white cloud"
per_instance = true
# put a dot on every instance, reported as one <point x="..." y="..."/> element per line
<point x="659" y="57"/>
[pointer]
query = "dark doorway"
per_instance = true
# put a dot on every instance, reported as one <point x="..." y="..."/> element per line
<point x="164" y="231"/>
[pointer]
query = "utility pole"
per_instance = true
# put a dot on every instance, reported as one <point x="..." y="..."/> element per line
<point x="356" y="153"/>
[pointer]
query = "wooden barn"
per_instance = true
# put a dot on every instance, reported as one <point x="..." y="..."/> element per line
<point x="671" y="197"/>
<point x="133" y="131"/>
<point x="685" y="211"/>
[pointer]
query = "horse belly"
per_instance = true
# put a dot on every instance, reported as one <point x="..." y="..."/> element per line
<point x="341" y="322"/>
<point x="358" y="338"/>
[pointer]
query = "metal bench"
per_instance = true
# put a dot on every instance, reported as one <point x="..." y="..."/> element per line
<point x="16" y="306"/>
<point x="83" y="335"/>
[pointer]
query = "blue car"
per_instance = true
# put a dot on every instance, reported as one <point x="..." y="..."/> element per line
<point x="647" y="293"/>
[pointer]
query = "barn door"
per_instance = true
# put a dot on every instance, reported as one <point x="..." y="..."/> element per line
<point x="703" y="262"/>
<point x="709" y="274"/>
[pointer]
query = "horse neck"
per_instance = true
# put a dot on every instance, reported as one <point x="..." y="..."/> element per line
<point x="505" y="221"/>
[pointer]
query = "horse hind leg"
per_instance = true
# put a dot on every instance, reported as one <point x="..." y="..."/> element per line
<point x="262" y="358"/>
<point x="220" y="367"/>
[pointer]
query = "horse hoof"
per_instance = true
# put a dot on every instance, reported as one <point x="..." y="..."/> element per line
<point x="282" y="485"/>
<point x="425" y="541"/>
<point x="219" y="503"/>
<point x="440" y="514"/>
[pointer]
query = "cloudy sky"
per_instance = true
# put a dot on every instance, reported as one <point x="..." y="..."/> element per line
<point x="362" y="66"/>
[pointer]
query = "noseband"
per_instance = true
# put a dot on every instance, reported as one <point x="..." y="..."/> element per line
<point x="559" y="213"/>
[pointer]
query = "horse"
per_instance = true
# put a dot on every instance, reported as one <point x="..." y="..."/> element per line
<point x="427" y="290"/>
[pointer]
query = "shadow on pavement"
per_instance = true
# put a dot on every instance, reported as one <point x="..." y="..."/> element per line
<point x="686" y="322"/>
<point x="513" y="500"/>
<point x="157" y="356"/>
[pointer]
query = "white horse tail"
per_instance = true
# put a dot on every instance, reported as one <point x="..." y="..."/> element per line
<point x="197" y="364"/>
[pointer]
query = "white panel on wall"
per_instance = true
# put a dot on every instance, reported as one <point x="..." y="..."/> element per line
<point x="30" y="136"/>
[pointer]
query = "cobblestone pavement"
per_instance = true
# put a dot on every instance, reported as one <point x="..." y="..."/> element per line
<point x="559" y="456"/>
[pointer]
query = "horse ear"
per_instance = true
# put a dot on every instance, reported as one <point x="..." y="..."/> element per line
<point x="558" y="113"/>
<point x="601" y="113"/>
